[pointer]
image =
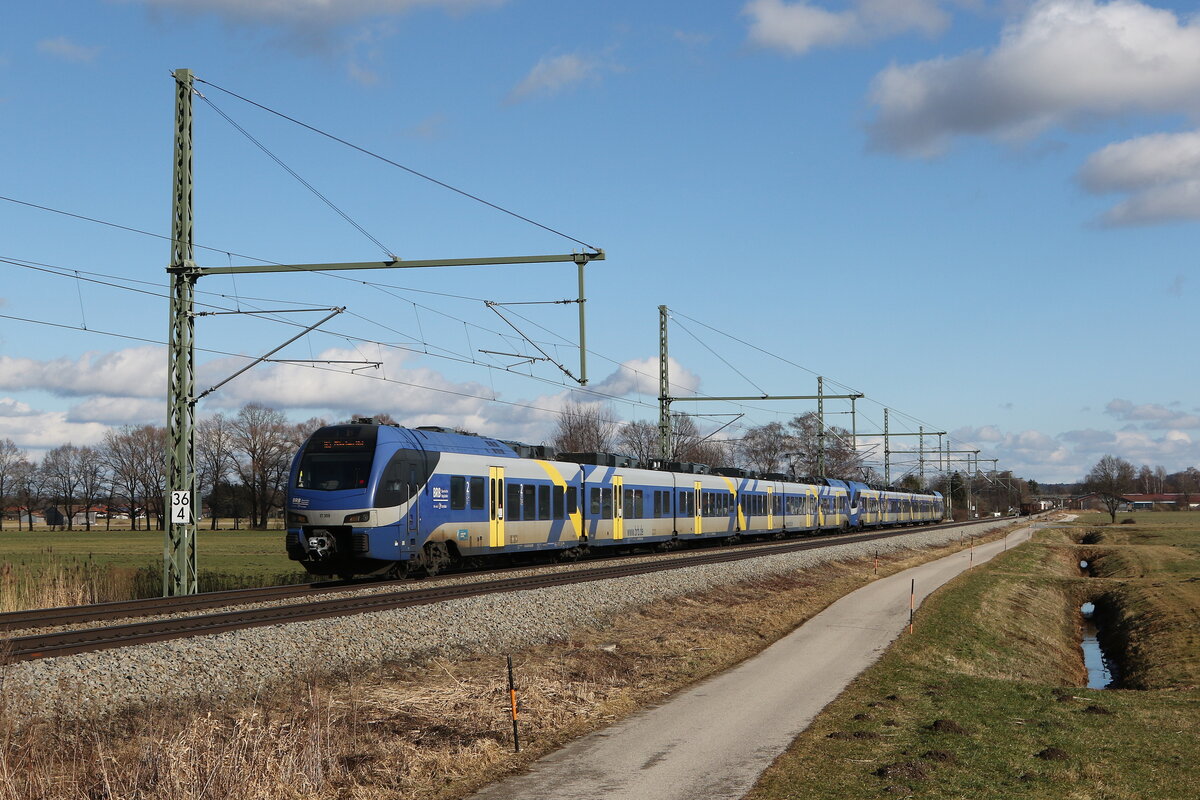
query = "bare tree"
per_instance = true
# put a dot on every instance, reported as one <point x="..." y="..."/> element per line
<point x="60" y="468"/>
<point x="1160" y="479"/>
<point x="150" y="454"/>
<point x="263" y="437"/>
<point x="27" y="490"/>
<point x="1145" y="479"/>
<point x="12" y="460"/>
<point x="840" y="459"/>
<point x="121" y="455"/>
<point x="93" y="480"/>
<point x="215" y="460"/>
<point x="688" y="444"/>
<point x="766" y="448"/>
<point x="639" y="439"/>
<point x="585" y="428"/>
<point x="1111" y="478"/>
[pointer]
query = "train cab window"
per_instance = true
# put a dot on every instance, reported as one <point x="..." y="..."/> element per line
<point x="514" y="501"/>
<point x="477" y="493"/>
<point x="529" y="496"/>
<point x="595" y="504"/>
<point x="572" y="500"/>
<point x="543" y="502"/>
<point x="458" y="492"/>
<point x="559" y="505"/>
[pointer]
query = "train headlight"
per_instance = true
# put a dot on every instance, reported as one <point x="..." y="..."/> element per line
<point x="296" y="519"/>
<point x="362" y="516"/>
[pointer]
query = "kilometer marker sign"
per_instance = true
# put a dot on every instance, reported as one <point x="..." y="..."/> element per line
<point x="181" y="508"/>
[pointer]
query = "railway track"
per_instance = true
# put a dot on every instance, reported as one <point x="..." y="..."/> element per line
<point x="51" y="644"/>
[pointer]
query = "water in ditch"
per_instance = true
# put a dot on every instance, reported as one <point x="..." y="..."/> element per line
<point x="1101" y="674"/>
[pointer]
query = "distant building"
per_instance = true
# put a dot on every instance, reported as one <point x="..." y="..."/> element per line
<point x="1135" y="502"/>
<point x="1161" y="502"/>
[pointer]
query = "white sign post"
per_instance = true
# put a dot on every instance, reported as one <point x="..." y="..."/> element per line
<point x="181" y="508"/>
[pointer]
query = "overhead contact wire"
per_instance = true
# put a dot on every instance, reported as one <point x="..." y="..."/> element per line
<point x="398" y="165"/>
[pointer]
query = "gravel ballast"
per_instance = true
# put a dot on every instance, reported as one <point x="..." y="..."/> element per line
<point x="241" y="663"/>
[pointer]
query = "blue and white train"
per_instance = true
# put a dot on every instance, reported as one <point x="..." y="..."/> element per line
<point x="371" y="499"/>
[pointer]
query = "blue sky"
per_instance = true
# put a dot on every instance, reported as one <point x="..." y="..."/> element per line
<point x="980" y="214"/>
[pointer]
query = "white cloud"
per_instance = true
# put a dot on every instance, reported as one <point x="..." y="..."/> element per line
<point x="798" y="27"/>
<point x="134" y="372"/>
<point x="1152" y="415"/>
<point x="553" y="74"/>
<point x="1064" y="62"/>
<point x="1160" y="173"/>
<point x="1067" y="457"/>
<point x="639" y="376"/>
<point x="120" y="411"/>
<point x="42" y="430"/>
<point x="64" y="48"/>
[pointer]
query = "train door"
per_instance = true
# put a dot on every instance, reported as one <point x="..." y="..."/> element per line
<point x="496" y="507"/>
<point x="770" y="508"/>
<point x="618" y="507"/>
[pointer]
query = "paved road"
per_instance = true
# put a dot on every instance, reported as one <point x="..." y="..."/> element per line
<point x="714" y="740"/>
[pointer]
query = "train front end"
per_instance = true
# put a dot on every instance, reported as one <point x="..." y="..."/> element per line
<point x="350" y="492"/>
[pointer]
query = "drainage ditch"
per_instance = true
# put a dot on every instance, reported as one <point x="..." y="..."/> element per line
<point x="1102" y="669"/>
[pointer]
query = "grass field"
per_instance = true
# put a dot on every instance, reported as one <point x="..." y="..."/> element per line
<point x="49" y="568"/>
<point x="984" y="698"/>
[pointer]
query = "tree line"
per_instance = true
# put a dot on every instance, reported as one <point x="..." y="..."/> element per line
<point x="242" y="465"/>
<point x="791" y="447"/>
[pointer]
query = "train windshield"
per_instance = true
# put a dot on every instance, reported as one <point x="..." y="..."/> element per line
<point x="338" y="458"/>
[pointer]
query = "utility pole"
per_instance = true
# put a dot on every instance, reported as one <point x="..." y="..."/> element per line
<point x="179" y="541"/>
<point x="179" y="549"/>
<point x="664" y="388"/>
<point x="821" y="426"/>
<point x="887" y="449"/>
<point x="665" y="399"/>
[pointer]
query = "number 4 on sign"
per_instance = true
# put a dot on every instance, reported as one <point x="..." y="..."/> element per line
<point x="181" y="508"/>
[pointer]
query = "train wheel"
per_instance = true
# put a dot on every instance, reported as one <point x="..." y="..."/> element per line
<point x="397" y="571"/>
<point x="436" y="558"/>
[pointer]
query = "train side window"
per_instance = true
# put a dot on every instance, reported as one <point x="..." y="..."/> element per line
<point x="559" y="505"/>
<point x="628" y="508"/>
<point x="572" y="500"/>
<point x="477" y="492"/>
<point x="658" y="505"/>
<point x="530" y="500"/>
<point x="606" y="501"/>
<point x="514" y="501"/>
<point x="458" y="492"/>
<point x="543" y="502"/>
<point x="595" y="505"/>
<point x="639" y="504"/>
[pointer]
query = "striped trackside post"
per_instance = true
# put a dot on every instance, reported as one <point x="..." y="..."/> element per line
<point x="512" y="693"/>
<point x="877" y="563"/>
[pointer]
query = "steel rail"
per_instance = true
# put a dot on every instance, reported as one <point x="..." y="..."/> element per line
<point x="87" y="640"/>
<point x="32" y="619"/>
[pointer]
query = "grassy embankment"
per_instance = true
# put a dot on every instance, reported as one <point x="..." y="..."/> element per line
<point x="435" y="728"/>
<point x="984" y="699"/>
<point x="41" y="569"/>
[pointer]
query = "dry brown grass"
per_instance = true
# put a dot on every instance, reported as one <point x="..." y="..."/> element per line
<point x="431" y="730"/>
<point x="62" y="583"/>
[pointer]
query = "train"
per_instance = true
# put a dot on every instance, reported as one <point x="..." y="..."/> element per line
<point x="371" y="499"/>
